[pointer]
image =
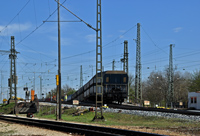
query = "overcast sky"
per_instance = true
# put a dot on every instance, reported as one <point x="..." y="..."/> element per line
<point x="163" y="22"/>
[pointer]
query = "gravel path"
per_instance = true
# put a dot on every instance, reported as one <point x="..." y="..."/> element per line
<point x="12" y="129"/>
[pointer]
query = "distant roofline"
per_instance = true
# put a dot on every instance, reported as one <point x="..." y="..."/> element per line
<point x="115" y="72"/>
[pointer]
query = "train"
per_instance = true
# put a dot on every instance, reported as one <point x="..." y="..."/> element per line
<point x="115" y="88"/>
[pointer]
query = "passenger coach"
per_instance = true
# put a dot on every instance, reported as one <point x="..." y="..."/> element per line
<point x="115" y="85"/>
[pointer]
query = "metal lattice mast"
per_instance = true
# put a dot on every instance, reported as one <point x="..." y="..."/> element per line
<point x="170" y="95"/>
<point x="125" y="67"/>
<point x="125" y="56"/>
<point x="81" y="77"/>
<point x="138" y="88"/>
<point x="13" y="77"/>
<point x="99" y="77"/>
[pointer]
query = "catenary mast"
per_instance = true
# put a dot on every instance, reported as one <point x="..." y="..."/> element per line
<point x="81" y="77"/>
<point x="170" y="96"/>
<point x="99" y="77"/>
<point x="138" y="84"/>
<point x="125" y="67"/>
<point x="13" y="77"/>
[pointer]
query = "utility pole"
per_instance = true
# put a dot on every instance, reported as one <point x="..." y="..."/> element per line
<point x="138" y="86"/>
<point x="58" y="113"/>
<point x="81" y="77"/>
<point x="99" y="77"/>
<point x="99" y="68"/>
<point x="170" y="94"/>
<point x="113" y="65"/>
<point x="58" y="77"/>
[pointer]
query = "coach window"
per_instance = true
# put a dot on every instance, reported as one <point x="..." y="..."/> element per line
<point x="195" y="99"/>
<point x="107" y="79"/>
<point x="191" y="99"/>
<point x="124" y="80"/>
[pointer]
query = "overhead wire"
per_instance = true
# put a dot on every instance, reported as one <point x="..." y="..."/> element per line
<point x="153" y="41"/>
<point x="119" y="37"/>
<point x="38" y="26"/>
<point x="36" y="29"/>
<point x="4" y="63"/>
<point x="181" y="55"/>
<point x="36" y="51"/>
<point x="49" y="7"/>
<point x="14" y="16"/>
<point x="77" y="16"/>
<point x="102" y="46"/>
<point x="35" y="12"/>
<point x="81" y="20"/>
<point x="19" y="27"/>
<point x="88" y="51"/>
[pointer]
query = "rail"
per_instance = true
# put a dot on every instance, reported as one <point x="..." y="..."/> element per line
<point x="128" y="107"/>
<point x="87" y="130"/>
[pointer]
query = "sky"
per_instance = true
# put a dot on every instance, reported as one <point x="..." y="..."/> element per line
<point x="33" y="24"/>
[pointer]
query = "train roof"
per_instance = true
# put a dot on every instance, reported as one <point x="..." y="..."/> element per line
<point x="115" y="72"/>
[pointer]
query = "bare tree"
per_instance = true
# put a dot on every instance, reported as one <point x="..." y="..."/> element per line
<point x="181" y="84"/>
<point x="131" y="87"/>
<point x="155" y="88"/>
<point x="64" y="90"/>
<point x="68" y="90"/>
<point x="195" y="81"/>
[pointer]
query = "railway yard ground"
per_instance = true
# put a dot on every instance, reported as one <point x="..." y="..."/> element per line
<point x="13" y="129"/>
<point x="150" y="124"/>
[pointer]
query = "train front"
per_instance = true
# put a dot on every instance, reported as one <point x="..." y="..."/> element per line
<point x="115" y="86"/>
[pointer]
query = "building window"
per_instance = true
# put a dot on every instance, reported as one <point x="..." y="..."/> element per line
<point x="191" y="99"/>
<point x="107" y="79"/>
<point x="195" y="99"/>
<point x="124" y="80"/>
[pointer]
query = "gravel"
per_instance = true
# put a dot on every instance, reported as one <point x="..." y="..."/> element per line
<point x="144" y="113"/>
<point x="13" y="129"/>
<point x="154" y="113"/>
<point x="147" y="113"/>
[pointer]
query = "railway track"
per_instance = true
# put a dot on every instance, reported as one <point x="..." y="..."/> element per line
<point x="130" y="107"/>
<point x="87" y="130"/>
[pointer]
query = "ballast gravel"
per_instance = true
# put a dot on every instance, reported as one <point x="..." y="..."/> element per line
<point x="154" y="113"/>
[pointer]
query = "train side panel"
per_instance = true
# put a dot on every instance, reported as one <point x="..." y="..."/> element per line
<point x="114" y="88"/>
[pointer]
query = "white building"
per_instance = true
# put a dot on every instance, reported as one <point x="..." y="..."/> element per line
<point x="194" y="100"/>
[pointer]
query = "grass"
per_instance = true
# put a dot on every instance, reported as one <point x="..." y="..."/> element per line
<point x="120" y="119"/>
<point x="7" y="108"/>
<point x="115" y="119"/>
<point x="10" y="132"/>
